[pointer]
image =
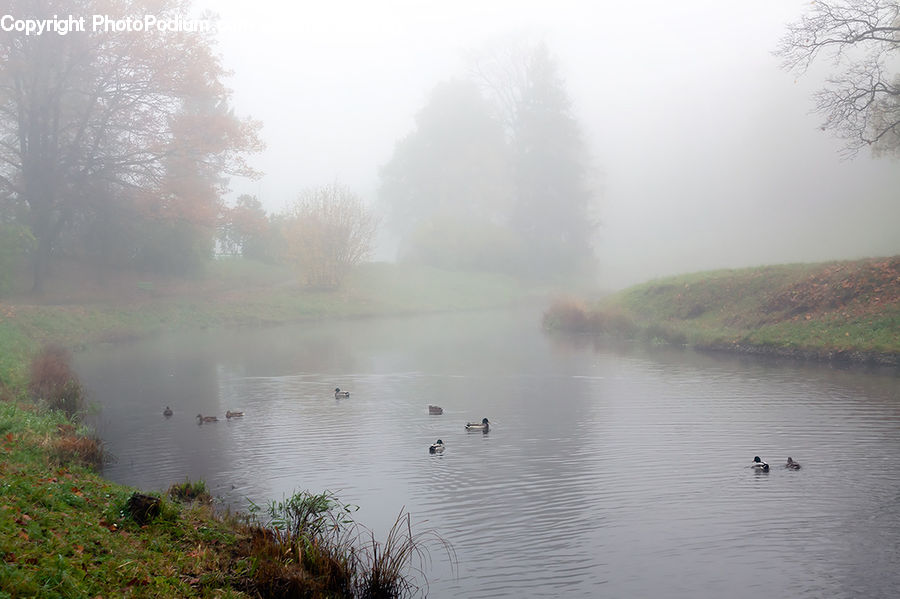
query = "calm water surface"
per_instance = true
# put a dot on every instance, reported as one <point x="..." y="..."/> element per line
<point x="606" y="473"/>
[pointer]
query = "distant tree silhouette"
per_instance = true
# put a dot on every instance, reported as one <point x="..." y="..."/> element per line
<point x="552" y="202"/>
<point x="243" y="228"/>
<point x="496" y="173"/>
<point x="454" y="163"/>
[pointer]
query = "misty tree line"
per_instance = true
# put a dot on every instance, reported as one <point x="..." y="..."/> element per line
<point x="494" y="176"/>
<point x="117" y="148"/>
<point x="324" y="233"/>
<point x="496" y="173"/>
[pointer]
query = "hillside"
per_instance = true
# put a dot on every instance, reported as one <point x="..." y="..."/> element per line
<point x="835" y="310"/>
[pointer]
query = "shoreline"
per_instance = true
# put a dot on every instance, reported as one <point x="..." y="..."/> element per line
<point x="832" y="357"/>
<point x="834" y="312"/>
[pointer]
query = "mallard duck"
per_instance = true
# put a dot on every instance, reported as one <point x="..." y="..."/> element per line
<point x="230" y="414"/>
<point x="167" y="411"/>
<point x="436" y="447"/>
<point x="338" y="394"/>
<point x="758" y="465"/>
<point x="435" y="410"/>
<point x="474" y="426"/>
<point x="201" y="419"/>
<point x="792" y="464"/>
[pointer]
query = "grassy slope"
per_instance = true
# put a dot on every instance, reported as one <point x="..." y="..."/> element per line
<point x="63" y="532"/>
<point x="827" y="309"/>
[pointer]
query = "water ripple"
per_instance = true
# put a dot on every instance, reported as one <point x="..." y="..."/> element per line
<point x="604" y="474"/>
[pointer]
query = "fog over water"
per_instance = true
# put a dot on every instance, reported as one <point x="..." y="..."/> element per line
<point x="707" y="153"/>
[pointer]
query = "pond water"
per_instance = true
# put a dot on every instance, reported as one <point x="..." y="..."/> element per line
<point x="609" y="472"/>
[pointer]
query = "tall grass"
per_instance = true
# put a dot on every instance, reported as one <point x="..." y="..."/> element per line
<point x="68" y="448"/>
<point x="311" y="541"/>
<point x="396" y="568"/>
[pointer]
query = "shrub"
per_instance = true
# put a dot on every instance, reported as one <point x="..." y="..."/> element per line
<point x="568" y="314"/>
<point x="51" y="379"/>
<point x="328" y="232"/>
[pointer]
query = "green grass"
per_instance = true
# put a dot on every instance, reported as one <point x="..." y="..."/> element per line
<point x="63" y="532"/>
<point x="15" y="348"/>
<point x="828" y="308"/>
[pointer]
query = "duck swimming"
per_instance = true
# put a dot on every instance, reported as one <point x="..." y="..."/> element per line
<point x="338" y="394"/>
<point x="792" y="464"/>
<point x="435" y="410"/>
<point x="436" y="447"/>
<point x="230" y="414"/>
<point x="474" y="426"/>
<point x="201" y="419"/>
<point x="167" y="411"/>
<point x="758" y="465"/>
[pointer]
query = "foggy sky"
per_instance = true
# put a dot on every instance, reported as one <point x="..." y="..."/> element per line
<point x="707" y="153"/>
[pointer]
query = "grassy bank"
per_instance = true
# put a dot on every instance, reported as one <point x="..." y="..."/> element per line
<point x="63" y="532"/>
<point x="835" y="310"/>
<point x="67" y="532"/>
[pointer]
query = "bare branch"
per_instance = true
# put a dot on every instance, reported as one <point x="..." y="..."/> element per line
<point x="861" y="103"/>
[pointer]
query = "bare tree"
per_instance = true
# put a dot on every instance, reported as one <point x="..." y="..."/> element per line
<point x="861" y="101"/>
<point x="329" y="231"/>
<point x="500" y="70"/>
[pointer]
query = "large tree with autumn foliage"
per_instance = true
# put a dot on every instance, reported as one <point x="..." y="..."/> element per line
<point x="98" y="128"/>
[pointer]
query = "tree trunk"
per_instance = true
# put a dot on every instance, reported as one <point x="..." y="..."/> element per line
<point x="40" y="264"/>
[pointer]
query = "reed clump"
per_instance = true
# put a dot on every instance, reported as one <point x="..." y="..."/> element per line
<point x="310" y="545"/>
<point x="72" y="449"/>
<point x="572" y="315"/>
<point x="396" y="567"/>
<point x="188" y="492"/>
